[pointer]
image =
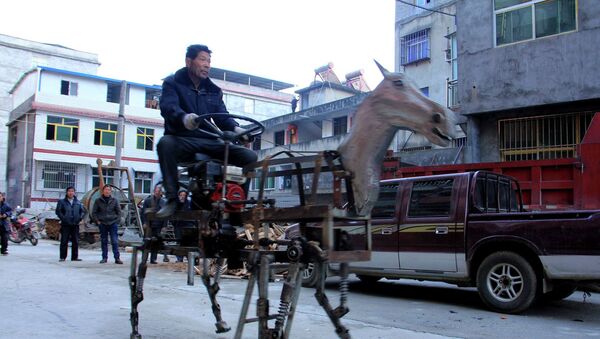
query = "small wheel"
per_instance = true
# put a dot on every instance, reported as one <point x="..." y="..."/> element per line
<point x="310" y="275"/>
<point x="33" y="241"/>
<point x="368" y="279"/>
<point x="507" y="282"/>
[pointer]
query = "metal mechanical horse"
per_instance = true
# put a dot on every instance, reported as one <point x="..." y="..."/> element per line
<point x="221" y="207"/>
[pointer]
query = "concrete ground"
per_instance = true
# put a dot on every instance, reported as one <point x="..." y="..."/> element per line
<point x="44" y="298"/>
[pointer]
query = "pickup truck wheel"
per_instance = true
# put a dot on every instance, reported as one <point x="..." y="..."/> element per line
<point x="368" y="279"/>
<point x="506" y="282"/>
<point x="310" y="275"/>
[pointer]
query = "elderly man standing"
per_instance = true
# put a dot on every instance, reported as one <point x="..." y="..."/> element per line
<point x="106" y="213"/>
<point x="70" y="212"/>
<point x="153" y="203"/>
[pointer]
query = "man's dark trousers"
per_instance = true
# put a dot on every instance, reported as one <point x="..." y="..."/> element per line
<point x="3" y="239"/>
<point x="69" y="233"/>
<point x="173" y="149"/>
<point x="105" y="230"/>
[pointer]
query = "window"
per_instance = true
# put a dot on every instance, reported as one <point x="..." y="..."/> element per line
<point x="68" y="88"/>
<point x="495" y="194"/>
<point x="256" y="143"/>
<point x="518" y="20"/>
<point x="425" y="91"/>
<point x="542" y="137"/>
<point x="414" y="47"/>
<point x="452" y="83"/>
<point x="107" y="174"/>
<point x="145" y="138"/>
<point x="113" y="92"/>
<point x="269" y="185"/>
<point x="385" y="207"/>
<point x="431" y="198"/>
<point x="340" y="125"/>
<point x="152" y="98"/>
<point x="62" y="129"/>
<point x="143" y="182"/>
<point x="58" y="175"/>
<point x="13" y="136"/>
<point x="105" y="134"/>
<point x="279" y="138"/>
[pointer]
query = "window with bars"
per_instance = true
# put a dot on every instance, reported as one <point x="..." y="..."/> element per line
<point x="256" y="182"/>
<point x="107" y="174"/>
<point x="62" y="129"/>
<point x="340" y="125"/>
<point x="105" y="134"/>
<point x="145" y="138"/>
<point x="143" y="182"/>
<point x="519" y="20"/>
<point x="542" y="137"/>
<point x="58" y="175"/>
<point x="414" y="47"/>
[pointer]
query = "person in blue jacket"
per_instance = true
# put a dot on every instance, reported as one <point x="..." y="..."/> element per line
<point x="186" y="96"/>
<point x="5" y="213"/>
<point x="70" y="212"/>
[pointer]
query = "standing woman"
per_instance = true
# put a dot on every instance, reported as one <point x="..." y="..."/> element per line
<point x="70" y="212"/>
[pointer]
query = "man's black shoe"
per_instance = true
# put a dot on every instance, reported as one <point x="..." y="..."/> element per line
<point x="61" y="259"/>
<point x="76" y="259"/>
<point x="153" y="262"/>
<point x="168" y="209"/>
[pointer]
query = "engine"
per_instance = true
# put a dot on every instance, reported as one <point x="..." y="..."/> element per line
<point x="206" y="185"/>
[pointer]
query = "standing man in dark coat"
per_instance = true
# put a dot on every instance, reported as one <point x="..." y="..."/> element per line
<point x="5" y="213"/>
<point x="186" y="96"/>
<point x="106" y="213"/>
<point x="70" y="212"/>
<point x="153" y="203"/>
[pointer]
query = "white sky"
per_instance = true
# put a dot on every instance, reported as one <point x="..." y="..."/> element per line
<point x="144" y="41"/>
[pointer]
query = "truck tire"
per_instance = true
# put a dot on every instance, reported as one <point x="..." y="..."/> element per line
<point x="310" y="275"/>
<point x="507" y="282"/>
<point x="368" y="279"/>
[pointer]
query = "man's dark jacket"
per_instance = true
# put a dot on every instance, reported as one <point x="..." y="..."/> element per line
<point x="152" y="204"/>
<point x="180" y="96"/>
<point x="106" y="210"/>
<point x="5" y="209"/>
<point x="69" y="214"/>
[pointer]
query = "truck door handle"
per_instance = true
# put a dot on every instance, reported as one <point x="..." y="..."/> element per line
<point x="441" y="230"/>
<point x="386" y="231"/>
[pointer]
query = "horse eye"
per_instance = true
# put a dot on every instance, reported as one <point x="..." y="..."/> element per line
<point x="398" y="83"/>
<point x="437" y="118"/>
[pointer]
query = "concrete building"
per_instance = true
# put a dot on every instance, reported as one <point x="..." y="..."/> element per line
<point x="18" y="56"/>
<point x="528" y="76"/>
<point x="425" y="50"/>
<point x="63" y="121"/>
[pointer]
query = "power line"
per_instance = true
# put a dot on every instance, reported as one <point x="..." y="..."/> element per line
<point x="425" y="8"/>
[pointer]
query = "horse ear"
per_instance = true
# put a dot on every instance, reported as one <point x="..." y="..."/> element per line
<point x="384" y="71"/>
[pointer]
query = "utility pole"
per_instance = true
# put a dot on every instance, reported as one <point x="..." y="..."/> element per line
<point x="121" y="124"/>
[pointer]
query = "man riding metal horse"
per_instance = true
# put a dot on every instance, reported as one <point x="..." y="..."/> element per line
<point x="196" y="122"/>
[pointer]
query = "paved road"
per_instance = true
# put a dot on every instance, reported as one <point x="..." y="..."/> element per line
<point x="43" y="298"/>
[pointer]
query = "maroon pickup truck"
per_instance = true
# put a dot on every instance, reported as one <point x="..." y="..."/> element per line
<point x="470" y="229"/>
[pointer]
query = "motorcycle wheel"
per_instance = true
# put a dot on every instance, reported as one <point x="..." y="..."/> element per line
<point x="33" y="241"/>
<point x="13" y="236"/>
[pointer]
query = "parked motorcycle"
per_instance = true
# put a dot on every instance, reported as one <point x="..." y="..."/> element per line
<point x="21" y="228"/>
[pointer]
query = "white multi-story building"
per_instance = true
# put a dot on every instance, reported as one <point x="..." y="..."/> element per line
<point x="63" y="121"/>
<point x="18" y="56"/>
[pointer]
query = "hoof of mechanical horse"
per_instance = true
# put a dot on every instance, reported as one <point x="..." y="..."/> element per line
<point x="135" y="336"/>
<point x="222" y="327"/>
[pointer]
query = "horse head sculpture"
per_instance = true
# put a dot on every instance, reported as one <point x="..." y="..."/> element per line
<point x="396" y="103"/>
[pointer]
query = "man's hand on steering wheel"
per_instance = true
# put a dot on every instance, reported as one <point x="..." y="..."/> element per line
<point x="205" y="124"/>
<point x="243" y="135"/>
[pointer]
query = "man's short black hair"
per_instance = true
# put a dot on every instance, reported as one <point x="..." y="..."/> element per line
<point x="193" y="50"/>
<point x="70" y="187"/>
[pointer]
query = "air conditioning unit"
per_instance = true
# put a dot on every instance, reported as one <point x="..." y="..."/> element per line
<point x="448" y="55"/>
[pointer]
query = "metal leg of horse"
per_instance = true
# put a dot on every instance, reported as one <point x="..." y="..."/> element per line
<point x="262" y="304"/>
<point x="213" y="289"/>
<point x="247" y="297"/>
<point x="289" y="293"/>
<point x="334" y="315"/>
<point x="288" y="325"/>
<point x="136" y="284"/>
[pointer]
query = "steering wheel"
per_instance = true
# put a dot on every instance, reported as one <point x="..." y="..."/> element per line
<point x="256" y="130"/>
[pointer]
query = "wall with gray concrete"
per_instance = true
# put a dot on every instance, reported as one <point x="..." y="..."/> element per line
<point x="553" y="69"/>
<point x="18" y="56"/>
